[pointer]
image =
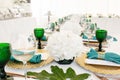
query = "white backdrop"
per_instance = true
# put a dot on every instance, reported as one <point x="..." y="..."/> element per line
<point x="64" y="7"/>
<point x="61" y="8"/>
<point x="6" y="3"/>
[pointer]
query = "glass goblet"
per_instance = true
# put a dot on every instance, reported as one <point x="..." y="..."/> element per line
<point x="22" y="49"/>
<point x="23" y="55"/>
<point x="39" y="33"/>
<point x="90" y="31"/>
<point x="5" y="53"/>
<point x="101" y="36"/>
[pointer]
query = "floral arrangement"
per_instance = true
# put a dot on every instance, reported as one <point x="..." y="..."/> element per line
<point x="64" y="45"/>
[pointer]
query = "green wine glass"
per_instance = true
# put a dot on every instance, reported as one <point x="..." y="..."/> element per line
<point x="39" y="33"/>
<point x="5" y="53"/>
<point x="101" y="36"/>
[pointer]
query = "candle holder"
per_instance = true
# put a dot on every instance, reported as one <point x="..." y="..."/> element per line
<point x="101" y="36"/>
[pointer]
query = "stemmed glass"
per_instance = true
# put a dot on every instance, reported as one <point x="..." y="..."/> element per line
<point x="5" y="53"/>
<point x="22" y="50"/>
<point x="57" y="26"/>
<point x="101" y="36"/>
<point x="39" y="33"/>
<point x="90" y="31"/>
<point x="24" y="56"/>
<point x="60" y="21"/>
<point x="84" y="23"/>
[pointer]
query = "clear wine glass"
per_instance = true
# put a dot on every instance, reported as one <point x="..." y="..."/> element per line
<point x="23" y="50"/>
<point x="90" y="32"/>
<point x="84" y="23"/>
<point x="57" y="26"/>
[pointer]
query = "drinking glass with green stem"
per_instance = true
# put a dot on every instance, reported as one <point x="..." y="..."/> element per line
<point x="5" y="53"/>
<point x="39" y="33"/>
<point x="101" y="36"/>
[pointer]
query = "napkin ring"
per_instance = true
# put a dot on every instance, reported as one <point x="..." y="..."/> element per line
<point x="101" y="56"/>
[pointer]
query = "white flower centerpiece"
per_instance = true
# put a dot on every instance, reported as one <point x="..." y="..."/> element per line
<point x="64" y="46"/>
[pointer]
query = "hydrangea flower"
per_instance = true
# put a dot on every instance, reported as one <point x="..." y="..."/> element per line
<point x="64" y="45"/>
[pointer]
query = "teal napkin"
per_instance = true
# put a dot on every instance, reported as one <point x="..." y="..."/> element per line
<point x="44" y="38"/>
<point x="60" y="20"/>
<point x="114" y="39"/>
<point x="110" y="37"/>
<point x="94" y="38"/>
<point x="34" y="59"/>
<point x="108" y="56"/>
<point x="85" y="37"/>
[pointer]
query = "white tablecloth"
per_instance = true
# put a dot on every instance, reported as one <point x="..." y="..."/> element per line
<point x="74" y="65"/>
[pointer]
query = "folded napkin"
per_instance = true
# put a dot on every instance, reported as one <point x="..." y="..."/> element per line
<point x="44" y="38"/>
<point x="94" y="38"/>
<point x="34" y="59"/>
<point x="85" y="37"/>
<point x="108" y="56"/>
<point x="60" y="20"/>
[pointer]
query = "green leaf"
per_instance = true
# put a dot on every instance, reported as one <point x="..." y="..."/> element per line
<point x="58" y="74"/>
<point x="32" y="73"/>
<point x="44" y="75"/>
<point x="81" y="76"/>
<point x="70" y="73"/>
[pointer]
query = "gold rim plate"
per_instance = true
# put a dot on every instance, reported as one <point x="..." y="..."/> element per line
<point x="97" y="68"/>
<point x="19" y="65"/>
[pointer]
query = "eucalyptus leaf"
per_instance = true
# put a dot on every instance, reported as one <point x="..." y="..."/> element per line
<point x="58" y="74"/>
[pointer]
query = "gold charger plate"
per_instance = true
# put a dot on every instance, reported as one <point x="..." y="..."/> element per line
<point x="19" y="65"/>
<point x="94" y="44"/>
<point x="97" y="68"/>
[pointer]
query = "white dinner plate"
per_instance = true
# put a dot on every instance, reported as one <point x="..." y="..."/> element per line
<point x="101" y="62"/>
